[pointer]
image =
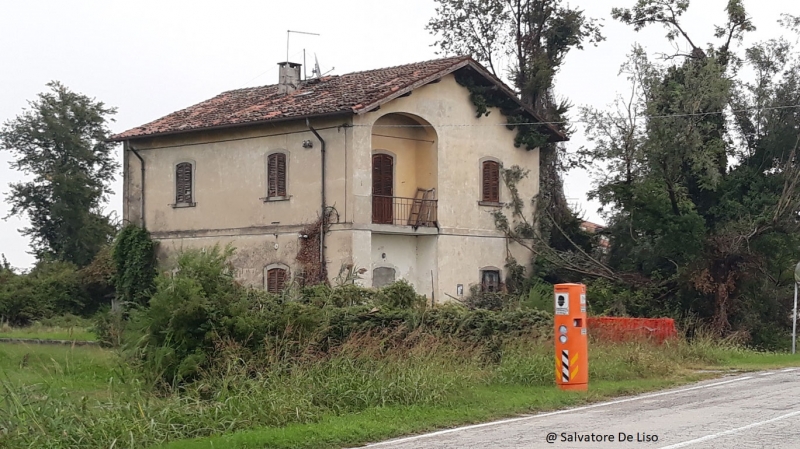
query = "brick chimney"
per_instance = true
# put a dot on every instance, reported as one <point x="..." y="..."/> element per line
<point x="288" y="77"/>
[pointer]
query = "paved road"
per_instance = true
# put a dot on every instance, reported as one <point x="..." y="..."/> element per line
<point x="754" y="410"/>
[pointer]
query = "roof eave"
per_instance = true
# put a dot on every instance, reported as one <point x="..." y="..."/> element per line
<point x="118" y="138"/>
<point x="557" y="135"/>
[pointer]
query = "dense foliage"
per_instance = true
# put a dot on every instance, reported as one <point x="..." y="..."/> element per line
<point x="134" y="259"/>
<point x="62" y="143"/>
<point x="700" y="176"/>
<point x="199" y="306"/>
<point x="54" y="288"/>
<point x="536" y="36"/>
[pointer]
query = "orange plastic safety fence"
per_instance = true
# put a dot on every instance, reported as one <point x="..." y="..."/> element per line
<point x="627" y="329"/>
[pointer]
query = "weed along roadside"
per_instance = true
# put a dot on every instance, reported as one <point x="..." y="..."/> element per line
<point x="505" y="396"/>
<point x="212" y="362"/>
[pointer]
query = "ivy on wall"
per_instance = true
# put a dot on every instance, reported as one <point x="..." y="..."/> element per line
<point x="485" y="96"/>
<point x="134" y="257"/>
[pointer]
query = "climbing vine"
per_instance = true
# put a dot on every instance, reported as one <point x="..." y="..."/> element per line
<point x="485" y="96"/>
<point x="309" y="256"/>
<point x="517" y="228"/>
<point x="134" y="258"/>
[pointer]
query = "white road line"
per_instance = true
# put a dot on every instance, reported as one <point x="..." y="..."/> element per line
<point x="731" y="432"/>
<point x="559" y="412"/>
<point x="788" y="369"/>
<point x="766" y="374"/>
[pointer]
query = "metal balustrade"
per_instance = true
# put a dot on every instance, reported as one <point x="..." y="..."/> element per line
<point x="401" y="211"/>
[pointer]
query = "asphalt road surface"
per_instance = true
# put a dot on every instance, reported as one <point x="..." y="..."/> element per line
<point x="753" y="410"/>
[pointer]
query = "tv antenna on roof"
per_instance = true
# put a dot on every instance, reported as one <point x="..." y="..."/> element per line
<point x="317" y="72"/>
<point x="288" y="33"/>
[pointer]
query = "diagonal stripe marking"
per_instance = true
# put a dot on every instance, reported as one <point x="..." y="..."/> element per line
<point x="714" y="436"/>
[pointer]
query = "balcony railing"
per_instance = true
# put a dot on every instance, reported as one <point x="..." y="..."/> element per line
<point x="400" y="211"/>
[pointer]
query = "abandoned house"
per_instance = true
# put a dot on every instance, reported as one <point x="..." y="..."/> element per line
<point x="397" y="161"/>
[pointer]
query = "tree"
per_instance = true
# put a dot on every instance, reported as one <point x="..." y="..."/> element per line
<point x="61" y="143"/>
<point x="536" y="35"/>
<point x="702" y="177"/>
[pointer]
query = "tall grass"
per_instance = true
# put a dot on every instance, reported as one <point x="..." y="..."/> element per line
<point x="68" y="327"/>
<point x="367" y="370"/>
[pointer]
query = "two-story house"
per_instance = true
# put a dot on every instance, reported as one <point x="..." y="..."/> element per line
<point x="396" y="158"/>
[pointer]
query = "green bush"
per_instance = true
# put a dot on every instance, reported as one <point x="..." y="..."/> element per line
<point x="54" y="288"/>
<point x="400" y="295"/>
<point x="18" y="302"/>
<point x="134" y="259"/>
<point x="607" y="298"/>
<point x="108" y="325"/>
<point x="198" y="306"/>
<point x="478" y="299"/>
<point x="97" y="281"/>
<point x="540" y="297"/>
<point x="51" y="288"/>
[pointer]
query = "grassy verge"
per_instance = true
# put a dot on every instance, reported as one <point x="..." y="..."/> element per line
<point x="43" y="332"/>
<point x="79" y="369"/>
<point x="478" y="404"/>
<point x="367" y="390"/>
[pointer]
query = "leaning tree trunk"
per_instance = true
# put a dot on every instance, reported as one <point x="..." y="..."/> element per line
<point x="552" y="201"/>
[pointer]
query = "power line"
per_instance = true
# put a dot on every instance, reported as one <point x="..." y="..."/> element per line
<point x="698" y="114"/>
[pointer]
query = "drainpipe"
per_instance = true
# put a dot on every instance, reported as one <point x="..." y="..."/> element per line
<point x="141" y="163"/>
<point x="323" y="206"/>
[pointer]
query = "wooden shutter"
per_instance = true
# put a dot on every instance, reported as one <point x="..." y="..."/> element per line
<point x="382" y="175"/>
<point x="491" y="182"/>
<point x="382" y="188"/>
<point x="276" y="175"/>
<point x="276" y="280"/>
<point x="183" y="183"/>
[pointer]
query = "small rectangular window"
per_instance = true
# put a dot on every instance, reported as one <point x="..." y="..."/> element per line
<point x="490" y="281"/>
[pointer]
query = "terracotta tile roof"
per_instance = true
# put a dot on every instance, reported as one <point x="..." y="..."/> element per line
<point x="351" y="93"/>
<point x="591" y="228"/>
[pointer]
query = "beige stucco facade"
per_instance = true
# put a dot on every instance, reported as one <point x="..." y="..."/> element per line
<point x="436" y="142"/>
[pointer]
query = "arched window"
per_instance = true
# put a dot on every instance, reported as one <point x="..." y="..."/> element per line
<point x="276" y="175"/>
<point x="184" y="184"/>
<point x="490" y="189"/>
<point x="276" y="279"/>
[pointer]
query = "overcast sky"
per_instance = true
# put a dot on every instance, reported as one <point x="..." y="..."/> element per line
<point x="149" y="58"/>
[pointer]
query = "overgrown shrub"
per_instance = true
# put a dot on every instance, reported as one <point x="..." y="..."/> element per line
<point x="607" y="298"/>
<point x="134" y="257"/>
<point x="54" y="288"/>
<point x="199" y="304"/>
<point x="108" y="325"/>
<point x="97" y="281"/>
<point x="479" y="299"/>
<point x="51" y="288"/>
<point x="400" y="295"/>
<point x="540" y="296"/>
